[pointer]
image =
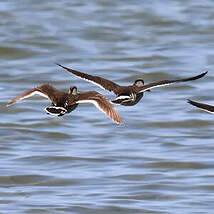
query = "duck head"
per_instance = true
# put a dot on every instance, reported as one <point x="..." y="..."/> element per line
<point x="139" y="83"/>
<point x="72" y="90"/>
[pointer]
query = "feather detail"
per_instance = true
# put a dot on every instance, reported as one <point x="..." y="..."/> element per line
<point x="101" y="103"/>
<point x="27" y="94"/>
<point x="47" y="91"/>
<point x="99" y="81"/>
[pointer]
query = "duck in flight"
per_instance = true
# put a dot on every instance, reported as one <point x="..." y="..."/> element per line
<point x="202" y="106"/>
<point x="127" y="95"/>
<point x="63" y="103"/>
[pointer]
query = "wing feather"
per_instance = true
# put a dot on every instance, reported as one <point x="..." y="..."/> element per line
<point x="202" y="106"/>
<point x="99" y="81"/>
<point x="46" y="91"/>
<point x="101" y="103"/>
<point x="168" y="82"/>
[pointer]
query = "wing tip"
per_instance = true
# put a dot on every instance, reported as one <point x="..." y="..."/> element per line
<point x="61" y="66"/>
<point x="203" y="74"/>
<point x="193" y="103"/>
<point x="10" y="103"/>
<point x="198" y="76"/>
<point x="115" y="116"/>
<point x="189" y="101"/>
<point x="119" y="121"/>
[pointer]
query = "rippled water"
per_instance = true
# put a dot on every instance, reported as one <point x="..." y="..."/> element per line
<point x="161" y="160"/>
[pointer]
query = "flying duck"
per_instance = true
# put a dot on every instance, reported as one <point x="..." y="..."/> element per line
<point x="64" y="103"/>
<point x="126" y="95"/>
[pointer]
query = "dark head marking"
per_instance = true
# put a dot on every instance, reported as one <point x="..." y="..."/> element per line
<point x="139" y="82"/>
<point x="73" y="90"/>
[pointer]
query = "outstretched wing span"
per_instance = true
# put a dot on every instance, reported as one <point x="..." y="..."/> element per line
<point x="168" y="82"/>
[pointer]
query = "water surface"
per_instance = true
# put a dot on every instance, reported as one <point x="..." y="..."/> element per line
<point x="160" y="160"/>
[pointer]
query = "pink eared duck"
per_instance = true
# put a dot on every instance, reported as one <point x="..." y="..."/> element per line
<point x="127" y="95"/>
<point x="63" y="103"/>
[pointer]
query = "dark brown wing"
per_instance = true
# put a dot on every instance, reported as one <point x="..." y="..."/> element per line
<point x="101" y="82"/>
<point x="202" y="106"/>
<point x="168" y="82"/>
<point x="100" y="102"/>
<point x="46" y="91"/>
